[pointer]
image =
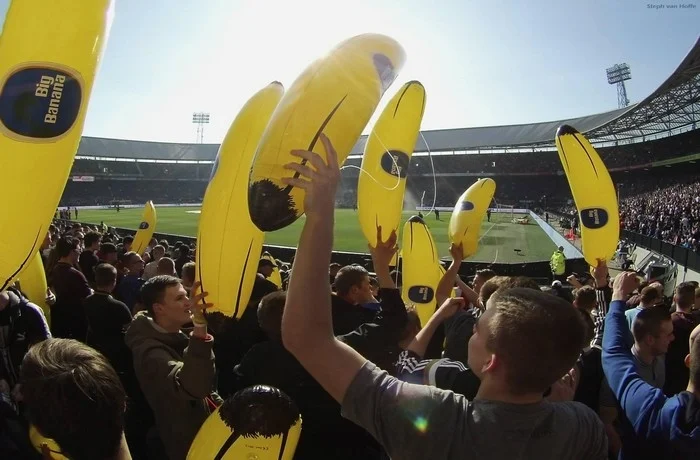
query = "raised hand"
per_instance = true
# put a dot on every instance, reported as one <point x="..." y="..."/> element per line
<point x="319" y="180"/>
<point x="198" y="305"/>
<point x="625" y="283"/>
<point x="600" y="273"/>
<point x="384" y="251"/>
<point x="457" y="252"/>
<point x="450" y="306"/>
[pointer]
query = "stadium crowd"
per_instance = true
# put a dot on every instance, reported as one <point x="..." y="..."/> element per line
<point x="125" y="362"/>
<point x="670" y="213"/>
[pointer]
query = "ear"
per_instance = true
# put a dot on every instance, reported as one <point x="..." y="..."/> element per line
<point x="687" y="361"/>
<point x="492" y="364"/>
<point x="157" y="308"/>
<point x="649" y="340"/>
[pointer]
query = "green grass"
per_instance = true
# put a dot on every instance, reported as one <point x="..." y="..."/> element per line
<point x="499" y="238"/>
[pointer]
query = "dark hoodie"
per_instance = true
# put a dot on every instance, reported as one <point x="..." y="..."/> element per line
<point x="654" y="426"/>
<point x="22" y="324"/>
<point x="176" y="373"/>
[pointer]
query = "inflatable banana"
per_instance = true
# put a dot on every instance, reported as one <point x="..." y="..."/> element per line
<point x="38" y="440"/>
<point x="594" y="194"/>
<point x="146" y="229"/>
<point x="418" y="255"/>
<point x="50" y="52"/>
<point x="32" y="282"/>
<point x="468" y="213"/>
<point x="228" y="244"/>
<point x="259" y="423"/>
<point x="276" y="276"/>
<point x="336" y="95"/>
<point x="385" y="162"/>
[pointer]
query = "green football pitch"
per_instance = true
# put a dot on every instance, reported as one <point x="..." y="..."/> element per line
<point x="501" y="240"/>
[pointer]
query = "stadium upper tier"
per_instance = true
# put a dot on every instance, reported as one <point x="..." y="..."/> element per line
<point x="674" y="107"/>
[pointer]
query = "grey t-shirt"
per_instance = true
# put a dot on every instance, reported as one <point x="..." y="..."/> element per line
<point x="654" y="374"/>
<point x="424" y="422"/>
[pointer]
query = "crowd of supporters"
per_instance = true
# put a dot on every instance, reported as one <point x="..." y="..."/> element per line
<point x="127" y="360"/>
<point x="668" y="212"/>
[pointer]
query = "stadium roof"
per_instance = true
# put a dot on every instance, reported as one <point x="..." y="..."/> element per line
<point x="674" y="106"/>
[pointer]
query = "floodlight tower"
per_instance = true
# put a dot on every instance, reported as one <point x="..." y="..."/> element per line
<point x="200" y="119"/>
<point x="618" y="74"/>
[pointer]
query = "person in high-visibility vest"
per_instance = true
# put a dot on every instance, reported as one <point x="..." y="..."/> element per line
<point x="558" y="264"/>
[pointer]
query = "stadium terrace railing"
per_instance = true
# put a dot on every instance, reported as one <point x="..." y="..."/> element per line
<point x="682" y="256"/>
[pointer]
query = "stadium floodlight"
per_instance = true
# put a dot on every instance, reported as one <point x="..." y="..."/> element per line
<point x="617" y="75"/>
<point x="200" y="119"/>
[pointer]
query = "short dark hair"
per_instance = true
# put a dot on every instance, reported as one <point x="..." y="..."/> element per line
<point x="538" y="336"/>
<point x="153" y="290"/>
<point x="586" y="297"/>
<point x="649" y="294"/>
<point x="349" y="276"/>
<point x="506" y="282"/>
<point x="74" y="397"/>
<point x="91" y="238"/>
<point x="108" y="248"/>
<point x="270" y="313"/>
<point x="128" y="257"/>
<point x="485" y="273"/>
<point x="265" y="263"/>
<point x="128" y="239"/>
<point x="65" y="245"/>
<point x="648" y="322"/>
<point x="412" y="322"/>
<point x="685" y="295"/>
<point x="105" y="275"/>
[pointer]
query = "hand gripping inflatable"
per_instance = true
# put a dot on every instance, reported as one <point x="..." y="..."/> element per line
<point x="146" y="229"/>
<point x="228" y="244"/>
<point x="386" y="159"/>
<point x="276" y="276"/>
<point x="32" y="282"/>
<point x="257" y="423"/>
<point x="336" y="95"/>
<point x="468" y="213"/>
<point x="594" y="194"/>
<point x="50" y="52"/>
<point x="419" y="271"/>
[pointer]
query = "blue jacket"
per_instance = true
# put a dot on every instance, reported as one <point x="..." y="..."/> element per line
<point x="656" y="427"/>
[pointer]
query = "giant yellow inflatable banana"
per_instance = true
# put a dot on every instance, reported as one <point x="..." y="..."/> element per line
<point x="468" y="213"/>
<point x="32" y="282"/>
<point x="385" y="162"/>
<point x="50" y="52"/>
<point x="594" y="194"/>
<point x="257" y="423"/>
<point x="228" y="244"/>
<point x="336" y="95"/>
<point x="419" y="272"/>
<point x="146" y="229"/>
<point x="276" y="276"/>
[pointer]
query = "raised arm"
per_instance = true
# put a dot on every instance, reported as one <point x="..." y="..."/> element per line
<point x="422" y="339"/>
<point x="307" y="326"/>
<point x="640" y="401"/>
<point x="447" y="281"/>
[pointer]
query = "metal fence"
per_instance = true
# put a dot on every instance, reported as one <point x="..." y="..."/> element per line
<point x="683" y="256"/>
